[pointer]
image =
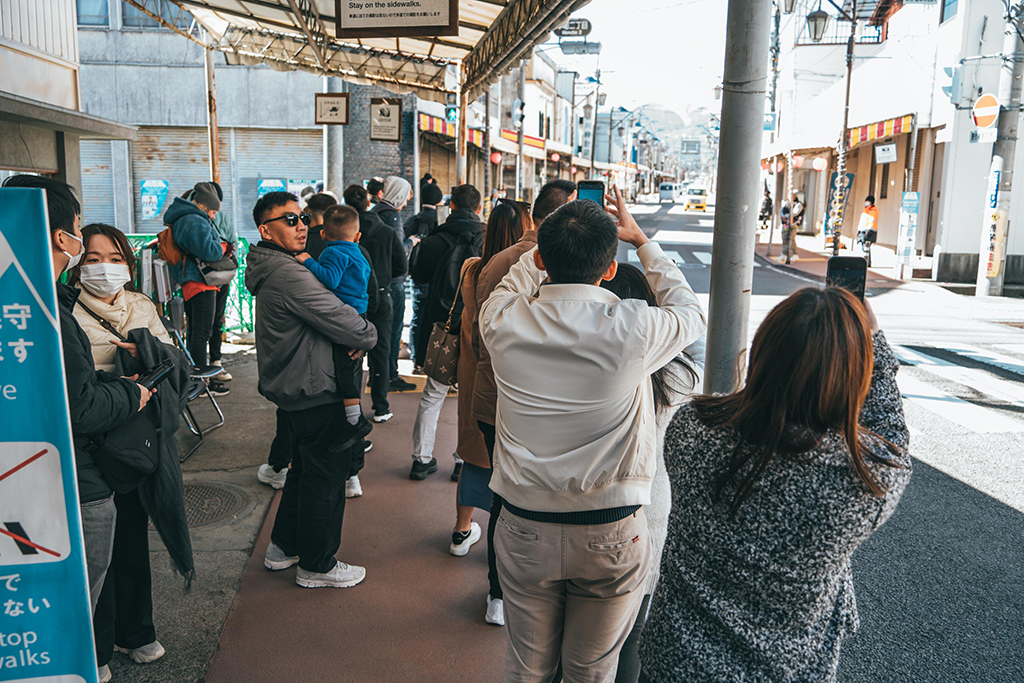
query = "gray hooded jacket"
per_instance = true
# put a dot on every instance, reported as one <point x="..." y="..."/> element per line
<point x="297" y="321"/>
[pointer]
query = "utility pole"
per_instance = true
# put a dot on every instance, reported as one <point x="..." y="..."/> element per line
<point x="776" y="51"/>
<point x="520" y="139"/>
<point x="211" y="112"/>
<point x="463" y="130"/>
<point x="839" y="197"/>
<point x="732" y="258"/>
<point x="487" y="150"/>
<point x="334" y="179"/>
<point x="995" y="225"/>
<point x="593" y="129"/>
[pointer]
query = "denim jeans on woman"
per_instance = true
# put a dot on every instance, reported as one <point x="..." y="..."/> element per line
<point x="98" y="519"/>
<point x="397" y="325"/>
<point x="200" y="310"/>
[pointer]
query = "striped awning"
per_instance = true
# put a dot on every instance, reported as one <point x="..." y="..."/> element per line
<point x="882" y="129"/>
<point x="434" y="124"/>
<point x="528" y="140"/>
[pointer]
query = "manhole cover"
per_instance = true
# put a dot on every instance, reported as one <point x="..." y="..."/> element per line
<point x="208" y="504"/>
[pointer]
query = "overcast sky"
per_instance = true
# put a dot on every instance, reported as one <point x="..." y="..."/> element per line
<point x="665" y="51"/>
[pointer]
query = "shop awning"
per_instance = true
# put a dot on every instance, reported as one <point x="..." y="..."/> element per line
<point x="40" y="114"/>
<point x="433" y="124"/>
<point x="881" y="129"/>
<point x="301" y="34"/>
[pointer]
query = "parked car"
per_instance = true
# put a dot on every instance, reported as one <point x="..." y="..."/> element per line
<point x="697" y="198"/>
<point x="669" y="191"/>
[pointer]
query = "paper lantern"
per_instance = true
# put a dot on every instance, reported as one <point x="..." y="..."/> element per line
<point x="798" y="161"/>
<point x="573" y="170"/>
<point x="779" y="166"/>
<point x="555" y="157"/>
<point x="820" y="164"/>
<point x="496" y="158"/>
<point x="764" y="165"/>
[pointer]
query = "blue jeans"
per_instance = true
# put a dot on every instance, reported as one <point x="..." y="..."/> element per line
<point x="397" y="325"/>
<point x="98" y="519"/>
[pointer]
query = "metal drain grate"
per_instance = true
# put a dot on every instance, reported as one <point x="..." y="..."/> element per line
<point x="206" y="504"/>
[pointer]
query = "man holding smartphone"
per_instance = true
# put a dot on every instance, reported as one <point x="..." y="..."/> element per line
<point x="565" y="359"/>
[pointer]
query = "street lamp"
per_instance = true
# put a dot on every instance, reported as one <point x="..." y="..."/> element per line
<point x="817" y="22"/>
<point x="787" y="6"/>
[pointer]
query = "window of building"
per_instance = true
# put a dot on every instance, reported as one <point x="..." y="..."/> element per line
<point x="883" y="191"/>
<point x="133" y="17"/>
<point x="93" y="13"/>
<point x="949" y="8"/>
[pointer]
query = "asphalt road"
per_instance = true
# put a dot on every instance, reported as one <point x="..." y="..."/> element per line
<point x="941" y="586"/>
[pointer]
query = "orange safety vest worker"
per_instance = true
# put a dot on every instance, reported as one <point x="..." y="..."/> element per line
<point x="869" y="219"/>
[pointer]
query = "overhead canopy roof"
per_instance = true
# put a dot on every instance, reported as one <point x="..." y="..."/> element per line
<point x="301" y="34"/>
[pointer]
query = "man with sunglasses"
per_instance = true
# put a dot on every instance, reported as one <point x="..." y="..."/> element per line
<point x="297" y="322"/>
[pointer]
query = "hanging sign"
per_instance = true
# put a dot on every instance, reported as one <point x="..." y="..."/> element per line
<point x="331" y="108"/>
<point x="396" y="18"/>
<point x="906" y="243"/>
<point x="154" y="195"/>
<point x="45" y="618"/>
<point x="996" y="231"/>
<point x="386" y="119"/>
<point x="575" y="28"/>
<point x="986" y="111"/>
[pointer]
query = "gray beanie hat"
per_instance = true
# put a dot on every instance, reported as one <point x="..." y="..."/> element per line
<point x="206" y="194"/>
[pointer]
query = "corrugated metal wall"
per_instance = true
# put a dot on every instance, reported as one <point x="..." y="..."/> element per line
<point x="97" y="182"/>
<point x="46" y="25"/>
<point x="179" y="156"/>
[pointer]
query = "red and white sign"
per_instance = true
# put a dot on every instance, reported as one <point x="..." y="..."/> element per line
<point x="986" y="111"/>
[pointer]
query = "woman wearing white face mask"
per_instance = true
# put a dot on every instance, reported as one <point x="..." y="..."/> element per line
<point x="105" y="276"/>
<point x="123" y="617"/>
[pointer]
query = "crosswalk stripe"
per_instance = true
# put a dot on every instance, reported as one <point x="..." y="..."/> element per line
<point x="970" y="377"/>
<point x="971" y="417"/>
<point x="684" y="237"/>
<point x="704" y="257"/>
<point x="998" y="360"/>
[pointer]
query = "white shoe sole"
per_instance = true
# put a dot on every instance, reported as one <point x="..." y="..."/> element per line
<point x="462" y="549"/>
<point x="380" y="419"/>
<point x="353" y="494"/>
<point x="320" y="583"/>
<point x="137" y="658"/>
<point x="269" y="481"/>
<point x="280" y="564"/>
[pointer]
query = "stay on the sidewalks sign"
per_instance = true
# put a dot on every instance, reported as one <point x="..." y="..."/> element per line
<point x="45" y="621"/>
<point x="396" y="18"/>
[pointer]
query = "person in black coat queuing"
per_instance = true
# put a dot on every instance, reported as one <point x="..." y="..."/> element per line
<point x="98" y="401"/>
<point x="315" y="207"/>
<point x="388" y="261"/>
<point x="422" y="225"/>
<point x="437" y="262"/>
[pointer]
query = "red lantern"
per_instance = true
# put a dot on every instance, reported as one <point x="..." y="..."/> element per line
<point x="764" y="165"/>
<point x="573" y="170"/>
<point x="779" y="166"/>
<point x="496" y="158"/>
<point x="820" y="164"/>
<point x="555" y="157"/>
<point x="798" y="161"/>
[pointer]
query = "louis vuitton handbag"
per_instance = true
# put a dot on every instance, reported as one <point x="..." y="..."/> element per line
<point x="441" y="362"/>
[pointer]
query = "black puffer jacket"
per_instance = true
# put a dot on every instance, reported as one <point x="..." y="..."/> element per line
<point x="98" y="401"/>
<point x="387" y="255"/>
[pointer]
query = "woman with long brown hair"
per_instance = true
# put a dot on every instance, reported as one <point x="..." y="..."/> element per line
<point x="773" y="488"/>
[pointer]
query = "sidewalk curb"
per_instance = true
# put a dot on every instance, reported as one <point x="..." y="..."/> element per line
<point x="772" y="264"/>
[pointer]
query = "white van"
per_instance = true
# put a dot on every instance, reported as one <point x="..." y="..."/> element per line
<point x="669" y="191"/>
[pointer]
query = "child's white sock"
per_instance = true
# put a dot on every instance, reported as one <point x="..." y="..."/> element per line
<point x="352" y="414"/>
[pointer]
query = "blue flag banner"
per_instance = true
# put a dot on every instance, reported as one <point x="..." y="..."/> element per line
<point x="45" y="621"/>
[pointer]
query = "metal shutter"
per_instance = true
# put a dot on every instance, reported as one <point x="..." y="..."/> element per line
<point x="271" y="154"/>
<point x="178" y="155"/>
<point x="97" y="182"/>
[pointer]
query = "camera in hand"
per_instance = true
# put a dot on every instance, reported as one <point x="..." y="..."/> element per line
<point x="592" y="190"/>
<point x="158" y="374"/>
<point x="848" y="272"/>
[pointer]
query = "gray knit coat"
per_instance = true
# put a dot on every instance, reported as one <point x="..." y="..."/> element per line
<point x="768" y="595"/>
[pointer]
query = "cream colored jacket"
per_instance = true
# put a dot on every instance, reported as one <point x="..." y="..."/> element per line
<point x="129" y="311"/>
<point x="575" y="425"/>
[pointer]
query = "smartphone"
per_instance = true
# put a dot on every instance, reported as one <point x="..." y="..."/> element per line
<point x="158" y="374"/>
<point x="848" y="272"/>
<point x="592" y="190"/>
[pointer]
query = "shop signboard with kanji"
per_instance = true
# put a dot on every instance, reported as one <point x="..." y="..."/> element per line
<point x="357" y="19"/>
<point x="45" y="620"/>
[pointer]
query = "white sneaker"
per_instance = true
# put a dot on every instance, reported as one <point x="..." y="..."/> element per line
<point x="341" y="576"/>
<point x="382" y="417"/>
<point x="461" y="544"/>
<point x="352" y="487"/>
<point x="145" y="654"/>
<point x="224" y="376"/>
<point x="103" y="674"/>
<point x="276" y="560"/>
<point x="495" y="611"/>
<point x="268" y="476"/>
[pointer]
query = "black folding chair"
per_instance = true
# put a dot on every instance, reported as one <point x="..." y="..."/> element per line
<point x="199" y="385"/>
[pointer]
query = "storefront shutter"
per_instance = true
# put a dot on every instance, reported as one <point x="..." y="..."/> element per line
<point x="97" y="182"/>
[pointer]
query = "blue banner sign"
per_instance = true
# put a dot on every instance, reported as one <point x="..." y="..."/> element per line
<point x="45" y="620"/>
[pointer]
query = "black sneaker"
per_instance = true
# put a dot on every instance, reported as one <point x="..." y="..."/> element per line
<point x="351" y="434"/>
<point x="367" y="445"/>
<point x="457" y="471"/>
<point x="219" y="388"/>
<point x="401" y="385"/>
<point x="420" y="470"/>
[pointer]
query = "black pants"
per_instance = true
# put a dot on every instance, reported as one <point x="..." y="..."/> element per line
<point x="124" y="613"/>
<point x="397" y="325"/>
<point x="629" y="655"/>
<point x="492" y="561"/>
<point x="308" y="522"/>
<point x="216" y="337"/>
<point x="200" y="311"/>
<point x="282" y="446"/>
<point x="380" y="379"/>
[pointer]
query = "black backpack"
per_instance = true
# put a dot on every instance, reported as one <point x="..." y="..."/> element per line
<point x="444" y="286"/>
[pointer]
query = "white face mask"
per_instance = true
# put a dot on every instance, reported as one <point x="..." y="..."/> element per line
<point x="77" y="258"/>
<point x="104" y="279"/>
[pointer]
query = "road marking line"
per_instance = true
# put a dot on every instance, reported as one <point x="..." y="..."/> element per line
<point x="974" y="353"/>
<point x="683" y="237"/>
<point x="971" y="417"/>
<point x="704" y="257"/>
<point x="970" y="377"/>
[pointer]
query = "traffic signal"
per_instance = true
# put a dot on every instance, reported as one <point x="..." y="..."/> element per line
<point x="952" y="91"/>
<point x="451" y="109"/>
<point x="518" y="113"/>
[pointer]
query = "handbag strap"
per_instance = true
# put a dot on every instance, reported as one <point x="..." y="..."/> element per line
<point x="455" y="299"/>
<point x="103" y="321"/>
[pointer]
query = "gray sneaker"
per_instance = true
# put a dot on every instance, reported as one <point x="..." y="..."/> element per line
<point x="146" y="653"/>
<point x="276" y="560"/>
<point x="341" y="576"/>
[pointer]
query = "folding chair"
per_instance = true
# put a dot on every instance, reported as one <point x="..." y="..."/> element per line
<point x="199" y="385"/>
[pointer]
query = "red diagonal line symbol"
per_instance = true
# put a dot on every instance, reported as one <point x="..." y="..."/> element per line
<point x="21" y="465"/>
<point x="21" y="539"/>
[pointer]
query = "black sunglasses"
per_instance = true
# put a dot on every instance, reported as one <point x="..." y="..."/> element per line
<point x="292" y="219"/>
<point x="506" y="200"/>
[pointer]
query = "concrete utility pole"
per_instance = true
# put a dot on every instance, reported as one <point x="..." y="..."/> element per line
<point x="995" y="225"/>
<point x="520" y="139"/>
<point x="334" y="150"/>
<point x="211" y="112"/>
<point x="487" y="150"/>
<point x="738" y="201"/>
<point x="839" y="201"/>
<point x="593" y="128"/>
<point x="463" y="129"/>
